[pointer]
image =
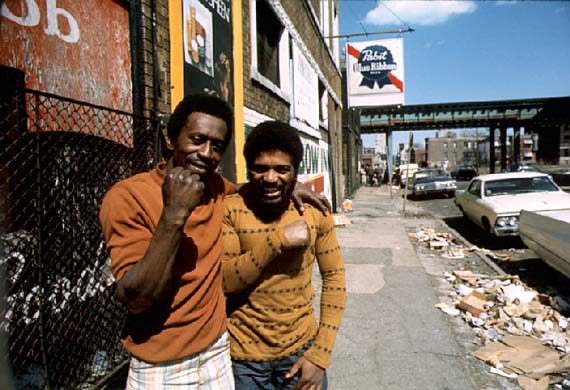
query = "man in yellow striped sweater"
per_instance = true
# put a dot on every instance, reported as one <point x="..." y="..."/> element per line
<point x="269" y="253"/>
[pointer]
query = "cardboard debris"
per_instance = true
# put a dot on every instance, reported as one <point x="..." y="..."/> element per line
<point x="341" y="220"/>
<point x="524" y="333"/>
<point x="346" y="205"/>
<point x="524" y="355"/>
<point x="527" y="383"/>
<point x="475" y="303"/>
<point x="444" y="307"/>
<point x="469" y="276"/>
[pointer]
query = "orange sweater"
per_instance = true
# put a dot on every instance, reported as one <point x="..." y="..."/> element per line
<point x="269" y="290"/>
<point x="195" y="317"/>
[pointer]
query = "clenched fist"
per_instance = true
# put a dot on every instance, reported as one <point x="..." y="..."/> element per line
<point x="297" y="235"/>
<point x="181" y="193"/>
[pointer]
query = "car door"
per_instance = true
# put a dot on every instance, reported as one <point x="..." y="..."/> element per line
<point x="471" y="206"/>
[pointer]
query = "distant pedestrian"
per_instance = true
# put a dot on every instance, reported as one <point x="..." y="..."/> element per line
<point x="377" y="175"/>
<point x="369" y="175"/>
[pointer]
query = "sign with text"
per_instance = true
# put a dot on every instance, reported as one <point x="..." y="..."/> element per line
<point x="208" y="47"/>
<point x="315" y="170"/>
<point x="305" y="112"/>
<point x="79" y="50"/>
<point x="375" y="72"/>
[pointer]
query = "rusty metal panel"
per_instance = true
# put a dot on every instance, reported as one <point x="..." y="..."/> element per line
<point x="76" y="49"/>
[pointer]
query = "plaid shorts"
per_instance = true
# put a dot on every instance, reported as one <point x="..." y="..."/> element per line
<point x="208" y="370"/>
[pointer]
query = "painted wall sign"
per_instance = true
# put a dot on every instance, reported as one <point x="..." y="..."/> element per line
<point x="314" y="170"/>
<point x="375" y="72"/>
<point x="70" y="48"/>
<point x="75" y="50"/>
<point x="305" y="108"/>
<point x="207" y="46"/>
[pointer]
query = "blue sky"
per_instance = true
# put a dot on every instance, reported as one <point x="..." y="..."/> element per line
<point x="471" y="50"/>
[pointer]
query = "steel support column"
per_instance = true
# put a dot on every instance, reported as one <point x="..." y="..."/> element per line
<point x="492" y="157"/>
<point x="503" y="136"/>
<point x="517" y="145"/>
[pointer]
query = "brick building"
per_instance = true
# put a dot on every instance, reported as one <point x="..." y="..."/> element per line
<point x="450" y="151"/>
<point x="291" y="73"/>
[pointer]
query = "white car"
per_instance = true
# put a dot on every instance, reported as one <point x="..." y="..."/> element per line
<point x="494" y="202"/>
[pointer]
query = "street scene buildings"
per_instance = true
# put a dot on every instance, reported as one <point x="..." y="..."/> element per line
<point x="87" y="91"/>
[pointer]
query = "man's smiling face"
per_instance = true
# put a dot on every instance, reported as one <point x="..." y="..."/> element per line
<point x="200" y="144"/>
<point x="273" y="177"/>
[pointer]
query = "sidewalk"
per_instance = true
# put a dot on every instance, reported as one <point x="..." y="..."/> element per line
<point x="391" y="336"/>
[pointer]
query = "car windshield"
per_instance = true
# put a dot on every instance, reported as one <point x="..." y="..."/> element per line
<point x="427" y="176"/>
<point x="519" y="185"/>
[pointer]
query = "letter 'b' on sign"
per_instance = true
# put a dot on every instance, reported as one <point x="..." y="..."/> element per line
<point x="32" y="18"/>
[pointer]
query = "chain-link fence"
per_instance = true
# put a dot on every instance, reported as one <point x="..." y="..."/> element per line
<point x="58" y="158"/>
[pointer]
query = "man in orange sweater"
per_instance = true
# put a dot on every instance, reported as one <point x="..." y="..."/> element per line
<point x="269" y="253"/>
<point x="163" y="233"/>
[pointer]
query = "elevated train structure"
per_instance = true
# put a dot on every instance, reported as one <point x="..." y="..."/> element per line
<point x="549" y="118"/>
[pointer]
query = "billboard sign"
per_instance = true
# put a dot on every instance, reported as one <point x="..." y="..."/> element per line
<point x="305" y="108"/>
<point x="375" y="72"/>
<point x="208" y="47"/>
<point x="315" y="170"/>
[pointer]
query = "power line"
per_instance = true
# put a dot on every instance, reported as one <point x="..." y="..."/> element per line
<point x="397" y="31"/>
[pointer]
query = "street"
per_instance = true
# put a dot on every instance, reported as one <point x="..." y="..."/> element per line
<point x="392" y="336"/>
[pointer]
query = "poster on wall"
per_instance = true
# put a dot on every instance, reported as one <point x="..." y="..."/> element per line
<point x="375" y="72"/>
<point x="314" y="170"/>
<point x="305" y="108"/>
<point x="207" y="45"/>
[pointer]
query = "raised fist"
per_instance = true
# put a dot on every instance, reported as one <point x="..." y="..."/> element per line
<point x="297" y="235"/>
<point x="181" y="193"/>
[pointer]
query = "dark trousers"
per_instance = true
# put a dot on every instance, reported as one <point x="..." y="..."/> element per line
<point x="268" y="375"/>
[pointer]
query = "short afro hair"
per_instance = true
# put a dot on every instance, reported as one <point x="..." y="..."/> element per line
<point x="206" y="104"/>
<point x="270" y="136"/>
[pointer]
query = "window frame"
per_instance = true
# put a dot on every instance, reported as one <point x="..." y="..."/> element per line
<point x="284" y="89"/>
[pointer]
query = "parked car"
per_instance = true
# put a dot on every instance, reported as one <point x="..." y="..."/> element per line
<point x="494" y="202"/>
<point x="525" y="168"/>
<point x="463" y="173"/>
<point x="432" y="181"/>
<point x="402" y="173"/>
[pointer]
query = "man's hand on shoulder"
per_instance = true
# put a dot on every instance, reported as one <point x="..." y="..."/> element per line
<point x="303" y="194"/>
<point x="311" y="378"/>
<point x="297" y="235"/>
<point x="181" y="193"/>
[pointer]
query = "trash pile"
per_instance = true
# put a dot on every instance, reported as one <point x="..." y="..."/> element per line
<point x="444" y="242"/>
<point x="440" y="242"/>
<point x="525" y="334"/>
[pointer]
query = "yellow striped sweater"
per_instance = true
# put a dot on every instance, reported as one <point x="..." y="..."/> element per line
<point x="269" y="290"/>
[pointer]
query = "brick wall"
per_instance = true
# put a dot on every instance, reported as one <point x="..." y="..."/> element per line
<point x="154" y="57"/>
<point x="301" y="14"/>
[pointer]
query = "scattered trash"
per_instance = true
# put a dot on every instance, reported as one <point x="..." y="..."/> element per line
<point x="523" y="334"/>
<point x="444" y="307"/>
<point x="341" y="220"/>
<point x="527" y="383"/>
<point x="475" y="303"/>
<point x="346" y="205"/>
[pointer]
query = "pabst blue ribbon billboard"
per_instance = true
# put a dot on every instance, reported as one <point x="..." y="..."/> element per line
<point x="375" y="72"/>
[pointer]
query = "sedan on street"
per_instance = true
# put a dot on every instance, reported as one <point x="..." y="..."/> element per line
<point x="494" y="202"/>
<point x="432" y="181"/>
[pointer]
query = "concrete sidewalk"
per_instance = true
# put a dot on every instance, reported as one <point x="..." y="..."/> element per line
<point x="391" y="336"/>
